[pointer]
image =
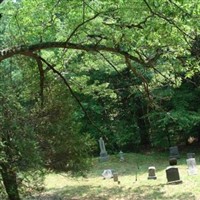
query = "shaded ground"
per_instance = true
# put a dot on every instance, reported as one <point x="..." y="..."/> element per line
<point x="70" y="193"/>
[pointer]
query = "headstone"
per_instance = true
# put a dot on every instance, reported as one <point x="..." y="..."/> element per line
<point x="172" y="161"/>
<point x="192" y="169"/>
<point x="107" y="173"/>
<point x="103" y="152"/>
<point x="115" y="177"/>
<point x="121" y="156"/>
<point x="172" y="174"/>
<point x="173" y="152"/>
<point x="190" y="155"/>
<point x="152" y="173"/>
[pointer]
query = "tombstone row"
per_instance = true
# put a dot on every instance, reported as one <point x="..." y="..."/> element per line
<point x="191" y="162"/>
<point x="173" y="153"/>
<point x="172" y="174"/>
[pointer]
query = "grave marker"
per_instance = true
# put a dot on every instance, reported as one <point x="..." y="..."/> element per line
<point x="172" y="174"/>
<point x="152" y="173"/>
<point x="172" y="161"/>
<point x="103" y="152"/>
<point x="121" y="156"/>
<point x="173" y="152"/>
<point x="115" y="177"/>
<point x="192" y="169"/>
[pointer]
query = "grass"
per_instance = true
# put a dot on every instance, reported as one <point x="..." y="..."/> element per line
<point x="93" y="187"/>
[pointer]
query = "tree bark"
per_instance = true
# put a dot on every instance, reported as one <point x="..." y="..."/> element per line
<point x="29" y="49"/>
<point x="7" y="167"/>
<point x="10" y="182"/>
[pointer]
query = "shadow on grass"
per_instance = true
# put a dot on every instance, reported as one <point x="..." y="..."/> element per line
<point x="144" y="192"/>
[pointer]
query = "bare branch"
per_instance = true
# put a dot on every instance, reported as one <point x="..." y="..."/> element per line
<point x="41" y="71"/>
<point x="81" y="24"/>
<point x="180" y="8"/>
<point x="83" y="2"/>
<point x="42" y="75"/>
<point x="156" y="70"/>
<point x="110" y="63"/>
<point x="139" y="25"/>
<point x="151" y="61"/>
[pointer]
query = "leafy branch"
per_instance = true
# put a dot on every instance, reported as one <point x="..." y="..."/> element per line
<point x="170" y="21"/>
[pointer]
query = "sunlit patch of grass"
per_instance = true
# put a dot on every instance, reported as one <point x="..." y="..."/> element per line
<point x="135" y="166"/>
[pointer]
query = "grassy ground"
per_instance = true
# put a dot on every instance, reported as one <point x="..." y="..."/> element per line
<point x="93" y="187"/>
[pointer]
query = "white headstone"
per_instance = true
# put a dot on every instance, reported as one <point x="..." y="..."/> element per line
<point x="192" y="169"/>
<point x="107" y="173"/>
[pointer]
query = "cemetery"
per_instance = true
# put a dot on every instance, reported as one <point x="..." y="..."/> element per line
<point x="99" y="100"/>
<point x="146" y="175"/>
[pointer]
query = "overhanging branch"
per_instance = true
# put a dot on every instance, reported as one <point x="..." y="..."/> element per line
<point x="26" y="49"/>
<point x="41" y="73"/>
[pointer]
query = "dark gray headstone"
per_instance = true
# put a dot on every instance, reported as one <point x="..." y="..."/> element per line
<point x="190" y="155"/>
<point x="192" y="169"/>
<point x="152" y="173"/>
<point x="173" y="152"/>
<point x="103" y="152"/>
<point x="172" y="174"/>
<point x="172" y="161"/>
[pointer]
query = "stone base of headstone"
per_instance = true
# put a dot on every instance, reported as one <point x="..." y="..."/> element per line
<point x="192" y="172"/>
<point x="172" y="161"/>
<point x="103" y="157"/>
<point x="175" y="182"/>
<point x="152" y="177"/>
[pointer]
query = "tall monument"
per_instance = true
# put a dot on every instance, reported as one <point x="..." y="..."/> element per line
<point x="103" y="152"/>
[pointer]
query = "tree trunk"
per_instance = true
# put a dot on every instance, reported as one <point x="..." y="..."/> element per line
<point x="142" y="123"/>
<point x="8" y="172"/>
<point x="10" y="182"/>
